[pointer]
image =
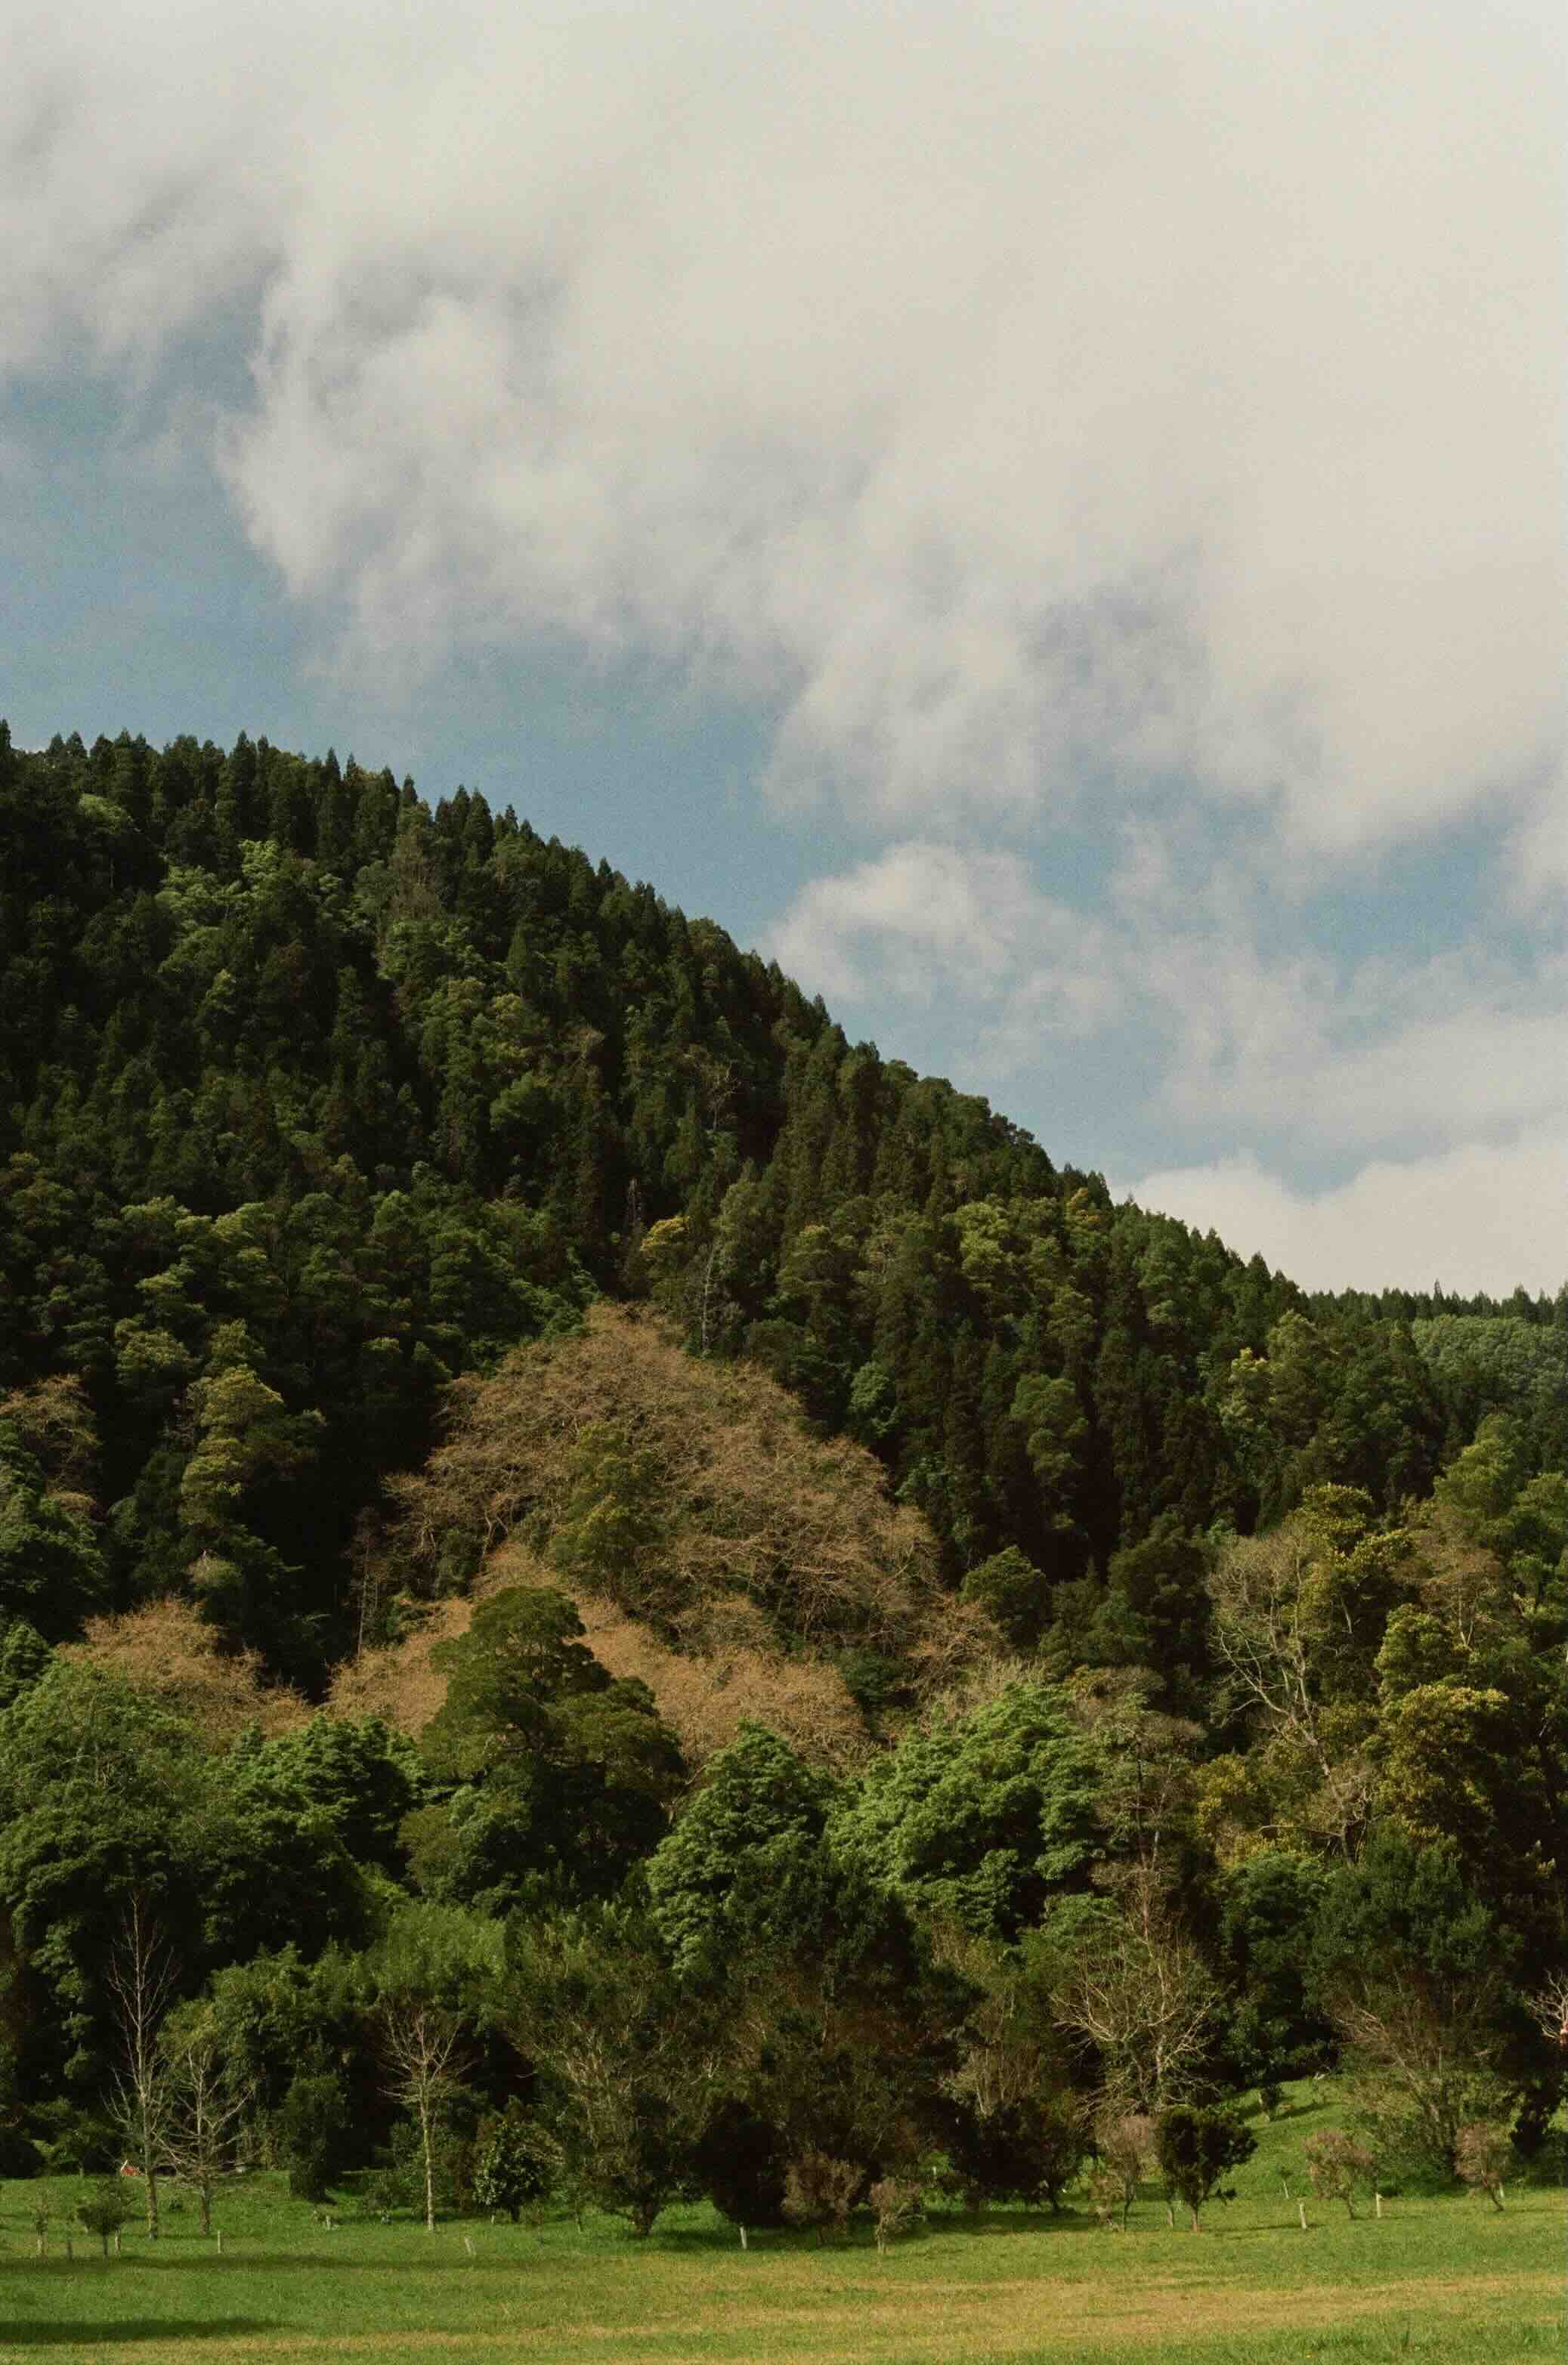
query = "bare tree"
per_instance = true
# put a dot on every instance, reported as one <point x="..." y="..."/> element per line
<point x="425" y="2062"/>
<point x="141" y="1981"/>
<point x="1144" y="1996"/>
<point x="1549" y="2009"/>
<point x="1423" y="2064"/>
<point x="1125" y="2141"/>
<point x="1280" y="1613"/>
<point x="209" y="2106"/>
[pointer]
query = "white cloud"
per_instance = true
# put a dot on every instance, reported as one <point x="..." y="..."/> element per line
<point x="1381" y="1055"/>
<point x="1477" y="1217"/>
<point x="924" y="922"/>
<point x="1270" y="1031"/>
<point x="998" y="393"/>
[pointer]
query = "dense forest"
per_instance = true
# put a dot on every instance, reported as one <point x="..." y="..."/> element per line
<point x="545" y="1491"/>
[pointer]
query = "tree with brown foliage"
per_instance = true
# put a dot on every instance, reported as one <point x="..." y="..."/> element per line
<point x="820" y="2192"/>
<point x="166" y="1649"/>
<point x="730" y="1484"/>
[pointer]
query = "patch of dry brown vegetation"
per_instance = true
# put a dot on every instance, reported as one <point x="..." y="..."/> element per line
<point x="749" y="1500"/>
<point x="54" y="1422"/>
<point x="964" y="1670"/>
<point x="775" y="1548"/>
<point x="164" y="1649"/>
<point x="729" y="1670"/>
<point x="729" y="1667"/>
<point x="396" y="1681"/>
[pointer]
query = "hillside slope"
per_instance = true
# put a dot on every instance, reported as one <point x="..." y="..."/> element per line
<point x="317" y="1100"/>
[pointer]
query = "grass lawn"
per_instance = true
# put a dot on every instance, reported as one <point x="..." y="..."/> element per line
<point x="1447" y="2281"/>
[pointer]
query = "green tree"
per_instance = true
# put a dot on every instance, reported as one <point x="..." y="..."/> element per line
<point x="982" y="1820"/>
<point x="1195" y="2147"/>
<point x="509" y="2169"/>
<point x="628" y="2061"/>
<point x="316" y="2128"/>
<point x="610" y="1535"/>
<point x="1412" y="1970"/>
<point x="51" y="1571"/>
<point x="1268" y="1914"/>
<point x="97" y="1787"/>
<point x="105" y="2210"/>
<point x="731" y="1870"/>
<point x="1013" y="1595"/>
<point x="558" y="1777"/>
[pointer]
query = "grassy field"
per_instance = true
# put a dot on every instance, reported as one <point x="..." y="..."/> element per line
<point x="1448" y="2281"/>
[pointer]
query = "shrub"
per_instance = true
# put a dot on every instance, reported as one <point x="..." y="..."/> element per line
<point x="1483" y="2158"/>
<point x="1105" y="2198"/>
<point x="1125" y="2141"/>
<point x="1195" y="2147"/>
<point x="509" y="2169"/>
<point x="1412" y="2145"/>
<point x="895" y="2205"/>
<point x="1028" y="2151"/>
<point x="105" y="2210"/>
<point x="820" y="2192"/>
<point x="741" y="2165"/>
<point x="1336" y="2164"/>
<point x="315" y="2130"/>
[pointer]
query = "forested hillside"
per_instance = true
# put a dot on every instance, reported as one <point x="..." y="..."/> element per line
<point x="396" y="1211"/>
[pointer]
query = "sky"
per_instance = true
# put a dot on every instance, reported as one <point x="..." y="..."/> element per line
<point x="1051" y="523"/>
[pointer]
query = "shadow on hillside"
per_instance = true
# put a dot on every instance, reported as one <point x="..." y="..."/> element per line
<point x="88" y="2336"/>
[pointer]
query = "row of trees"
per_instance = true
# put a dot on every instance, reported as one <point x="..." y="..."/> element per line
<point x="999" y="1945"/>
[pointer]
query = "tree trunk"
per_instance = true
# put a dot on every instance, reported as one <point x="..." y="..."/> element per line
<point x="430" y="2169"/>
<point x="150" y="2174"/>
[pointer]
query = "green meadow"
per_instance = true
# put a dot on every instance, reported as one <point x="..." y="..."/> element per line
<point x="1447" y="2279"/>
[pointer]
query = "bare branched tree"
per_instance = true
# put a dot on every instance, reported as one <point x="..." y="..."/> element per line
<point x="208" y="2105"/>
<point x="1420" y="2061"/>
<point x="1549" y="2009"/>
<point x="425" y="2062"/>
<point x="1144" y="1996"/>
<point x="1278" y="1614"/>
<point x="142" y="1979"/>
